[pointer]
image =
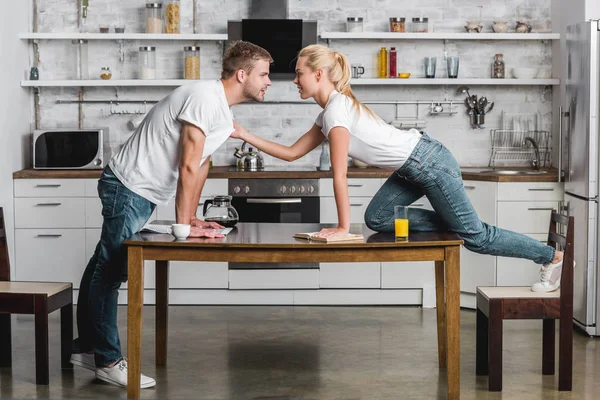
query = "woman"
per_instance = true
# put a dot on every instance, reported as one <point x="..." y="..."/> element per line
<point x="422" y="165"/>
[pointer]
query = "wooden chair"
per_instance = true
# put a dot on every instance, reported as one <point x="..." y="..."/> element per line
<point x="39" y="299"/>
<point x="495" y="304"/>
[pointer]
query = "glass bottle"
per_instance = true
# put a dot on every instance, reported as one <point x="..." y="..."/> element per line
<point x="498" y="67"/>
<point x="147" y="62"/>
<point x="191" y="60"/>
<point x="154" y="23"/>
<point x="397" y="24"/>
<point x="172" y="16"/>
<point x="354" y="24"/>
<point x="82" y="58"/>
<point x="34" y="74"/>
<point x="383" y="58"/>
<point x="420" y="24"/>
<point x="393" y="65"/>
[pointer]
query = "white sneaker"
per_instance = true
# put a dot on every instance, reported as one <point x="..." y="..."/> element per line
<point x="84" y="360"/>
<point x="549" y="277"/>
<point x="117" y="375"/>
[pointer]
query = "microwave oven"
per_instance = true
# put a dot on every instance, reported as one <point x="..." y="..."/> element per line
<point x="70" y="148"/>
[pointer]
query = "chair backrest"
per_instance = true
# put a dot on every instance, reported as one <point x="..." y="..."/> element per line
<point x="565" y="244"/>
<point x="4" y="264"/>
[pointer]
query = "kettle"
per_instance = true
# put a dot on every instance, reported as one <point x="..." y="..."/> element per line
<point x="219" y="210"/>
<point x="249" y="160"/>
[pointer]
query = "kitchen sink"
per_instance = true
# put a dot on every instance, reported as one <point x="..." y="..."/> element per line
<point x="513" y="172"/>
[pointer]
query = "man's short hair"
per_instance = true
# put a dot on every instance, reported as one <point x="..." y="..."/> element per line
<point x="242" y="55"/>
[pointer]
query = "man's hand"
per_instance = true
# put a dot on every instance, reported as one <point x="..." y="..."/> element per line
<point x="331" y="232"/>
<point x="202" y="232"/>
<point x="239" y="131"/>
<point x="205" y="225"/>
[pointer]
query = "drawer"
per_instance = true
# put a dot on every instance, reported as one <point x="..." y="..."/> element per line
<point x="358" y="206"/>
<point x="49" y="187"/>
<point x="526" y="216"/>
<point x="54" y="255"/>
<point x="91" y="187"/>
<point x="536" y="191"/>
<point x="350" y="275"/>
<point x="64" y="212"/>
<point x="356" y="187"/>
<point x="273" y="279"/>
<point x="518" y="271"/>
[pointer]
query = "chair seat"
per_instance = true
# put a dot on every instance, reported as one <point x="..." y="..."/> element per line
<point x="48" y="288"/>
<point x="515" y="292"/>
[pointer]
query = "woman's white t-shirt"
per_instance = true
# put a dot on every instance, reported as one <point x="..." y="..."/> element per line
<point x="148" y="163"/>
<point x="371" y="140"/>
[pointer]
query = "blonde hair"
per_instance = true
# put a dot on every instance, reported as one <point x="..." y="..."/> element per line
<point x="338" y="67"/>
<point x="242" y="55"/>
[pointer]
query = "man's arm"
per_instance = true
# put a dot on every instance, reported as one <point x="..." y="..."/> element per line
<point x="200" y="184"/>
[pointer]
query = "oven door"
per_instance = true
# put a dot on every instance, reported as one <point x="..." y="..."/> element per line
<point x="277" y="209"/>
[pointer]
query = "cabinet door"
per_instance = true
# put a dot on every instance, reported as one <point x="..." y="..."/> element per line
<point x="518" y="271"/>
<point x="358" y="206"/>
<point x="526" y="216"/>
<point x="479" y="269"/>
<point x="53" y="255"/>
<point x="54" y="212"/>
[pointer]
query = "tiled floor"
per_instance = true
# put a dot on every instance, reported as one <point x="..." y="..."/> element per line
<point x="307" y="353"/>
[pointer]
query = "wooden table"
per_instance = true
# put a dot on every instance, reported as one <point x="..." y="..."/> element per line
<point x="250" y="242"/>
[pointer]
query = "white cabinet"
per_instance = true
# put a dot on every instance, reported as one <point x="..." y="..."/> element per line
<point x="274" y="279"/>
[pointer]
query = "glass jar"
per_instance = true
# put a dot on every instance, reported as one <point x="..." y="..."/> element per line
<point x="147" y="62"/>
<point x="191" y="62"/>
<point x="498" y="67"/>
<point x="397" y="24"/>
<point x="354" y="24"/>
<point x="81" y="63"/>
<point x="105" y="73"/>
<point x="383" y="57"/>
<point x="172" y="16"/>
<point x="420" y="24"/>
<point x="154" y="23"/>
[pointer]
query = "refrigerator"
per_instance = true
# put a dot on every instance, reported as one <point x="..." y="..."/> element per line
<point x="579" y="146"/>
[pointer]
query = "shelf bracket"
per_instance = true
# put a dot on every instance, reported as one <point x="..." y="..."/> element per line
<point x="121" y="51"/>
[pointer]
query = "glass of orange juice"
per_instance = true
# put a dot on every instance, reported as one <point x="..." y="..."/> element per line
<point x="401" y="222"/>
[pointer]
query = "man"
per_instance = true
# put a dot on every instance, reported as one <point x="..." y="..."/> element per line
<point x="167" y="155"/>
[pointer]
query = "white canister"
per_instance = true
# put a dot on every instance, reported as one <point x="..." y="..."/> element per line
<point x="147" y="62"/>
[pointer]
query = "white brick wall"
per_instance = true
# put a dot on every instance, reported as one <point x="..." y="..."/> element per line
<point x="285" y="123"/>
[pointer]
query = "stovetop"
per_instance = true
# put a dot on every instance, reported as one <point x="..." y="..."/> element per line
<point x="280" y="168"/>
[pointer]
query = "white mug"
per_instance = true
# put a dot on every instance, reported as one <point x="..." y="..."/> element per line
<point x="181" y="231"/>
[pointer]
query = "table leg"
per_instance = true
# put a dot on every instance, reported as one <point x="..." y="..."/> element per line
<point x="453" y="319"/>
<point x="441" y="312"/>
<point x="162" y="310"/>
<point x="135" y="302"/>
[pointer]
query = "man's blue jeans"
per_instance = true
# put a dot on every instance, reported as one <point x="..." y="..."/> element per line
<point x="432" y="171"/>
<point x="124" y="213"/>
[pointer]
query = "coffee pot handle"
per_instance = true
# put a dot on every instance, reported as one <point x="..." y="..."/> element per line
<point x="206" y="203"/>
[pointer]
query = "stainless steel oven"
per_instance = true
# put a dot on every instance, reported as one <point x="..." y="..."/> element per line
<point x="275" y="201"/>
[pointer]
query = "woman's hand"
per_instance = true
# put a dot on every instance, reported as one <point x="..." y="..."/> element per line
<point x="198" y="223"/>
<point x="239" y="131"/>
<point x="331" y="232"/>
<point x="197" y="232"/>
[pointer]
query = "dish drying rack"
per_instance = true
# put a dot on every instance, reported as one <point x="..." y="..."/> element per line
<point x="509" y="148"/>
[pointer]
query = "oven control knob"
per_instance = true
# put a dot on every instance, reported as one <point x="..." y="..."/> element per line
<point x="247" y="189"/>
<point x="98" y="162"/>
<point x="283" y="189"/>
<point x="311" y="189"/>
<point x="293" y="189"/>
<point x="236" y="189"/>
<point x="302" y="189"/>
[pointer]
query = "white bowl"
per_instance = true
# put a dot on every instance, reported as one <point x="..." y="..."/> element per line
<point x="359" y="164"/>
<point x="524" y="73"/>
<point x="181" y="231"/>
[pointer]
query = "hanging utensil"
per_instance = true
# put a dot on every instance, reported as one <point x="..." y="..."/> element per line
<point x="490" y="107"/>
<point x="468" y="103"/>
<point x="482" y="103"/>
<point x="474" y="103"/>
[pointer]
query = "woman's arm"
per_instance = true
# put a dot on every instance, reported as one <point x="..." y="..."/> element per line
<point x="339" y="141"/>
<point x="307" y="142"/>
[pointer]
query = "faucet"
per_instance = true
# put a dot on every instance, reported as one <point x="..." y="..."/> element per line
<point x="535" y="163"/>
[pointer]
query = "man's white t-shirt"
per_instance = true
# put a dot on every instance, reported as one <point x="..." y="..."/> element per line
<point x="148" y="163"/>
<point x="371" y="140"/>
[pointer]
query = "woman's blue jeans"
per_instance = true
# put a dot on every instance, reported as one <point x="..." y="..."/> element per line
<point x="125" y="213"/>
<point x="432" y="171"/>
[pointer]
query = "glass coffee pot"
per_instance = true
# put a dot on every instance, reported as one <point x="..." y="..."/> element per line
<point x="219" y="210"/>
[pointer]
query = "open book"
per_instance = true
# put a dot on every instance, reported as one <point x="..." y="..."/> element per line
<point x="350" y="237"/>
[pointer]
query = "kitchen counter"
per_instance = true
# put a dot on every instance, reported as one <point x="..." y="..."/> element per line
<point x="468" y="173"/>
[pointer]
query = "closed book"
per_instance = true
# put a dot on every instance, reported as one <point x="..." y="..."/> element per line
<point x="350" y="237"/>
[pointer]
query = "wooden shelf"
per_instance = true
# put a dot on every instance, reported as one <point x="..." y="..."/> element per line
<point x="109" y="82"/>
<point x="460" y="81"/>
<point x="122" y="36"/>
<point x="440" y="36"/>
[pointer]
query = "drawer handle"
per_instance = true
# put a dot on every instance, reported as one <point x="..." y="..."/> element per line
<point x="469" y="187"/>
<point x="48" y="236"/>
<point x="355" y="185"/>
<point x="46" y="185"/>
<point x="48" y="204"/>
<point x="417" y="205"/>
<point x="541" y="189"/>
<point x="540" y="209"/>
<point x="356" y="204"/>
